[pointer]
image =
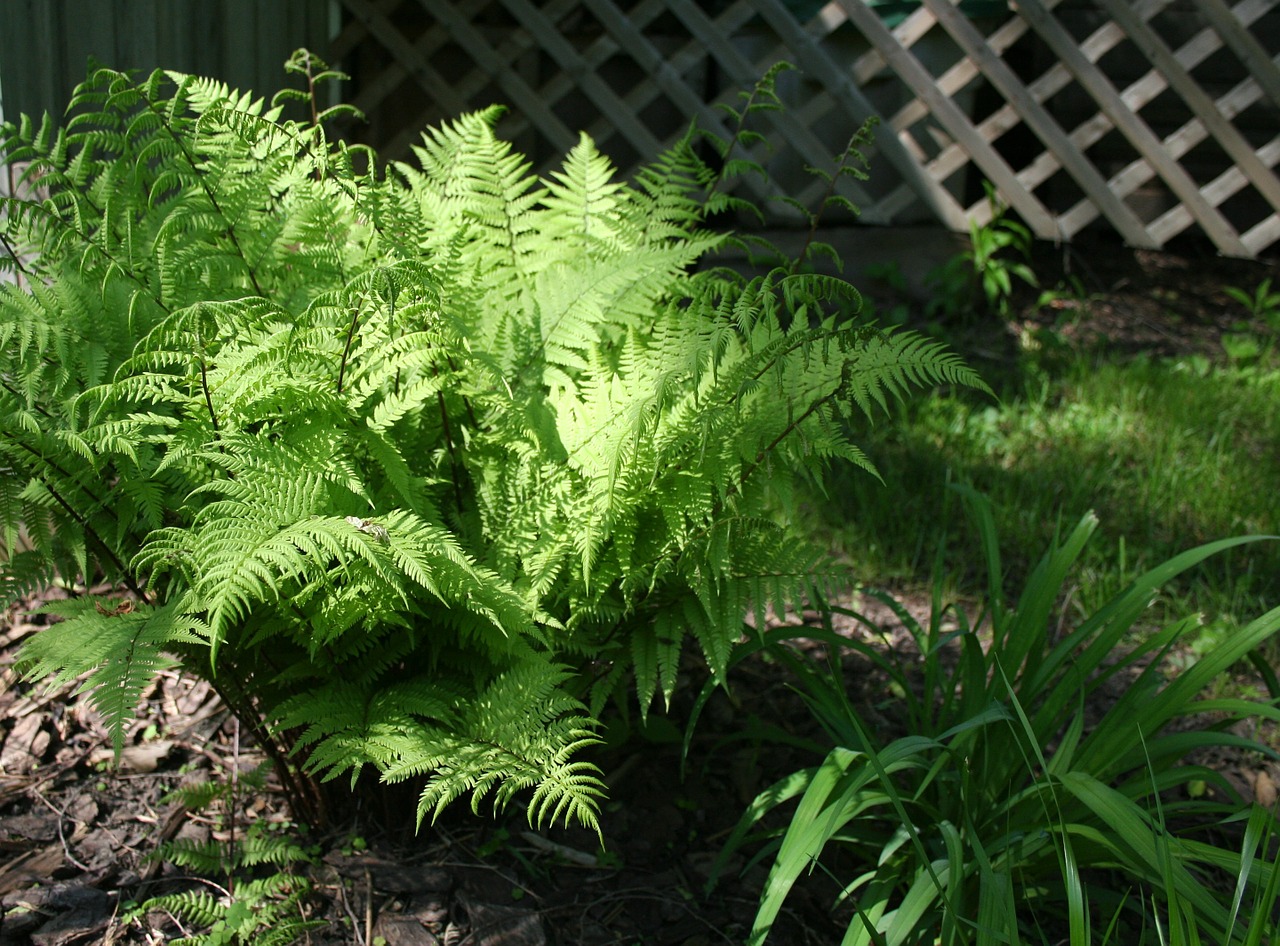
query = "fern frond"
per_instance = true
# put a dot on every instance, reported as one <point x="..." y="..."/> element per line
<point x="207" y="857"/>
<point x="343" y="726"/>
<point x="119" y="647"/>
<point x="893" y="364"/>
<point x="386" y="450"/>
<point x="258" y="847"/>
<point x="520" y="732"/>
<point x="196" y="906"/>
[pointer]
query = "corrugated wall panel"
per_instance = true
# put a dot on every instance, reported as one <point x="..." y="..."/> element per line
<point x="45" y="45"/>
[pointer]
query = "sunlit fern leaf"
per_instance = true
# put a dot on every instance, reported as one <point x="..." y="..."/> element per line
<point x="341" y="726"/>
<point x="410" y="440"/>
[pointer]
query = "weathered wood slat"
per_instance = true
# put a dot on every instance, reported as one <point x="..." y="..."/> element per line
<point x="374" y="90"/>
<point x="1144" y="90"/>
<point x="415" y="65"/>
<point x="895" y="150"/>
<point x="1048" y="130"/>
<point x="744" y="74"/>
<point x="804" y="120"/>
<point x="1181" y="141"/>
<point x="1227" y="184"/>
<point x="664" y="75"/>
<point x="1233" y="30"/>
<point x="562" y="51"/>
<point x="502" y="72"/>
<point x="953" y="120"/>
<point x="553" y="88"/>
<point x="1007" y="117"/>
<point x="1076" y="132"/>
<point x="1224" y="133"/>
<point x="1133" y="128"/>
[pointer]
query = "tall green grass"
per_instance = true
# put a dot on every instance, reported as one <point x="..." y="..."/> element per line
<point x="1044" y="783"/>
<point x="1168" y="454"/>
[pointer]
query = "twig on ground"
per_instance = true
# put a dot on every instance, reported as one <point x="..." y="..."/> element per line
<point x="368" y="905"/>
<point x="346" y="908"/>
<point x="62" y="814"/>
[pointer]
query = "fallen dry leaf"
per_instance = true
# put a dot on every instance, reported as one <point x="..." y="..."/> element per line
<point x="1264" y="789"/>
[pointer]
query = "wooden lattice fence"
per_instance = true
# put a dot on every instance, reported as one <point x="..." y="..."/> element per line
<point x="1151" y="116"/>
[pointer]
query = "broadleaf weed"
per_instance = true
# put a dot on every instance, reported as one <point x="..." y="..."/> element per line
<point x="982" y="277"/>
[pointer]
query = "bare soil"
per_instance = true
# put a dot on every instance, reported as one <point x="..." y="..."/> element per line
<point x="77" y="828"/>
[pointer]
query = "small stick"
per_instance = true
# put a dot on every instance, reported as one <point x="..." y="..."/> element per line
<point x="368" y="906"/>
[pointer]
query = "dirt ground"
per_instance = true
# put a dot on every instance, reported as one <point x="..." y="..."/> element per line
<point x="76" y="829"/>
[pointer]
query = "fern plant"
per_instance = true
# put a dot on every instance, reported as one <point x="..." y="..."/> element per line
<point x="418" y="467"/>
<point x="246" y="892"/>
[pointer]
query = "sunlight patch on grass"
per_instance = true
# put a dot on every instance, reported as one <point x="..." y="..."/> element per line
<point x="1169" y="455"/>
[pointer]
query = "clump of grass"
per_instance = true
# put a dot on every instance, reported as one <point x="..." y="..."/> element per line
<point x="1043" y="786"/>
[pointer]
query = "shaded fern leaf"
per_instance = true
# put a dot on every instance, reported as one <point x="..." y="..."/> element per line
<point x="519" y="732"/>
<point x="118" y="646"/>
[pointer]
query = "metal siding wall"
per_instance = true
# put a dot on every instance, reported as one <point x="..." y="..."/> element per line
<point x="45" y="45"/>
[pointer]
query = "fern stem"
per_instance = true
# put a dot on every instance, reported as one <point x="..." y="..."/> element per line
<point x="346" y="349"/>
<point x="860" y="137"/>
<point x="773" y="444"/>
<point x="799" y="343"/>
<point x="213" y="200"/>
<point x="208" y="398"/>
<point x="13" y="255"/>
<point x="733" y="489"/>
<point x="306" y="803"/>
<point x="311" y="90"/>
<point x="453" y="448"/>
<point x="453" y="453"/>
<point x="234" y="806"/>
<point x="466" y="401"/>
<point x="88" y="241"/>
<point x="38" y="408"/>
<point x="89" y="530"/>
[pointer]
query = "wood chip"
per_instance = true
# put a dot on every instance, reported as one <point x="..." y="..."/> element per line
<point x="1264" y="790"/>
<point x="403" y="931"/>
<point x="496" y="925"/>
<point x="37" y="865"/>
<point x="137" y="759"/>
<point x="19" y="755"/>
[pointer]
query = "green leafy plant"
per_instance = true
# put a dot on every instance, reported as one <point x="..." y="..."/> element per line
<point x="1004" y="813"/>
<point x="982" y="276"/>
<point x="1262" y="304"/>
<point x="850" y="163"/>
<point x="245" y="887"/>
<point x="1247" y="348"/>
<point x="418" y="468"/>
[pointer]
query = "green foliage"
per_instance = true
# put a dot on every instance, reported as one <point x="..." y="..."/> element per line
<point x="1004" y="814"/>
<point x="982" y="276"/>
<point x="852" y="163"/>
<point x="256" y="907"/>
<point x="418" y="467"/>
<point x="1251" y="346"/>
<point x="1263" y="304"/>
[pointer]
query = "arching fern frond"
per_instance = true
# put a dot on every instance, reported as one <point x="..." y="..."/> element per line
<point x="491" y="748"/>
<point x="119" y="646"/>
